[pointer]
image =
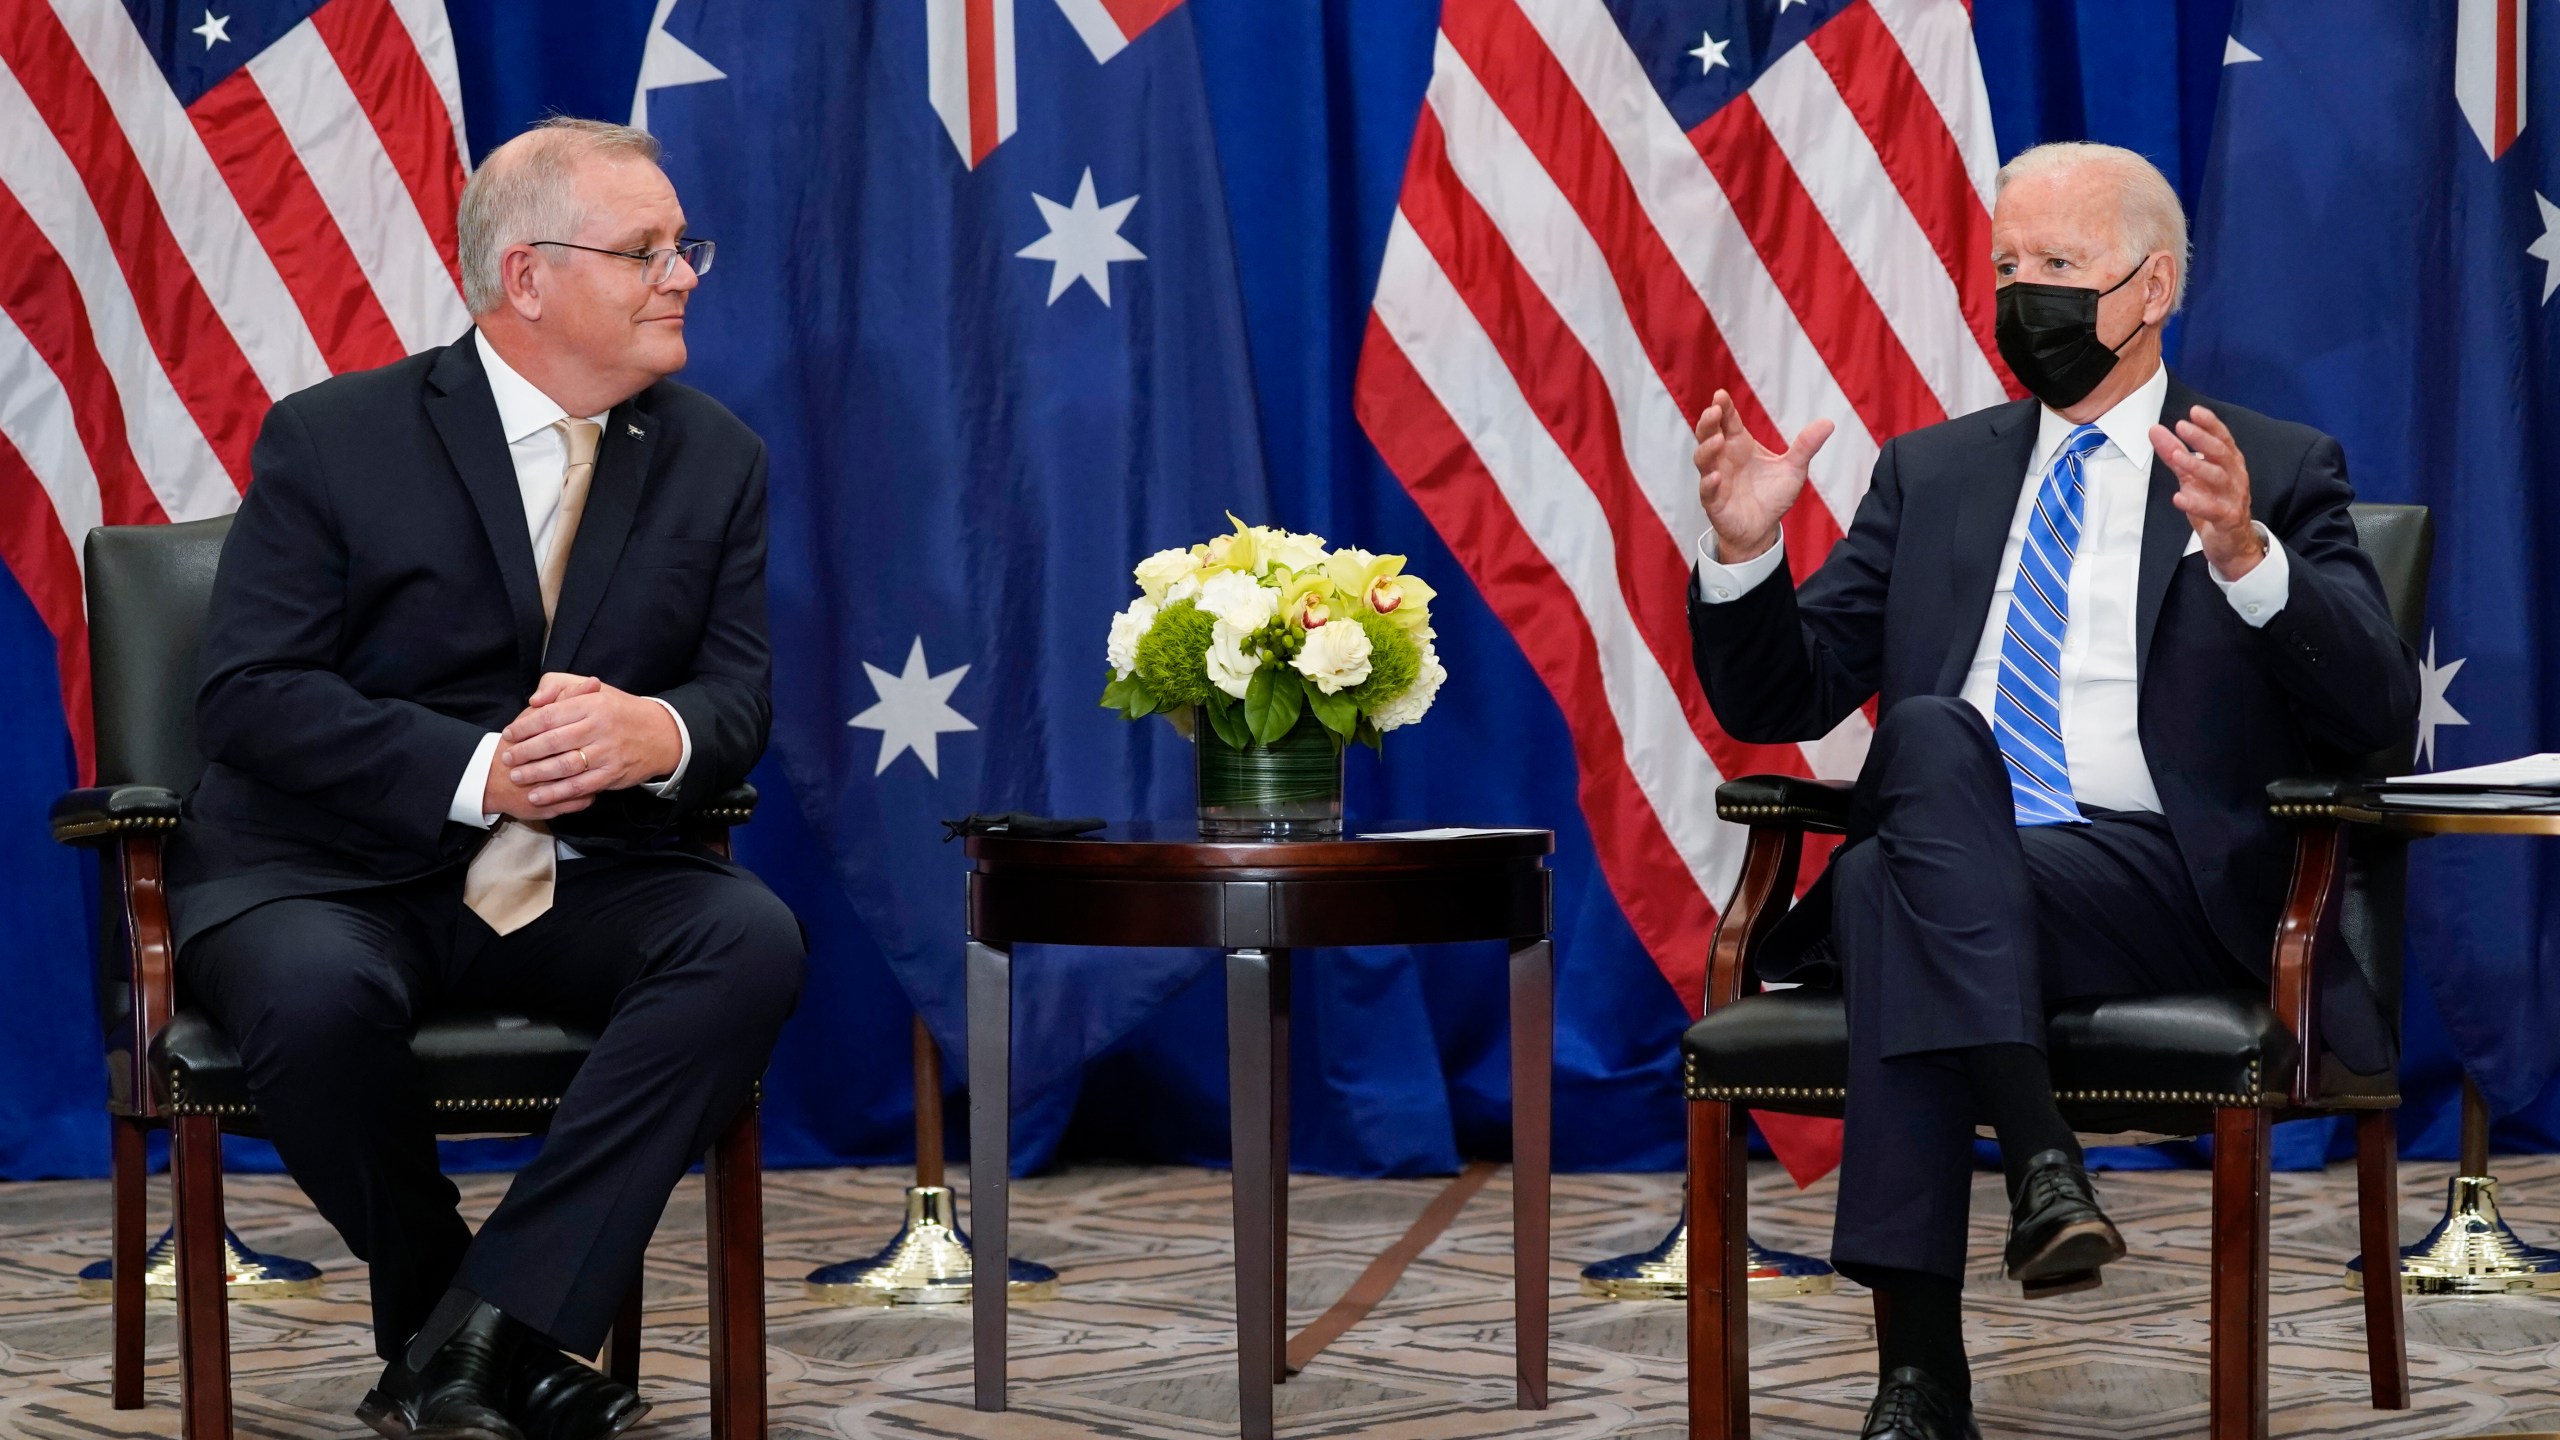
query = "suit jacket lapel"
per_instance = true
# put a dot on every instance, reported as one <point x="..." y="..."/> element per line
<point x="2165" y="531"/>
<point x="466" y="418"/>
<point x="1985" y="504"/>
<point x="613" y="499"/>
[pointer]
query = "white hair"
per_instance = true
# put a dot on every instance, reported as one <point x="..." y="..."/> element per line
<point x="2149" y="218"/>
<point x="527" y="191"/>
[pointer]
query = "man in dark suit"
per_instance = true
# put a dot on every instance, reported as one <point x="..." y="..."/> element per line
<point x="2096" y="624"/>
<point x="489" y="621"/>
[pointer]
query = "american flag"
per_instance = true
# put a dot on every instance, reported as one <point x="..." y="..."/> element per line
<point x="1611" y="211"/>
<point x="205" y="207"/>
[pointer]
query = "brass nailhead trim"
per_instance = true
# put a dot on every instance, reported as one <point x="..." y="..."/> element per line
<point x="1728" y="1093"/>
<point x="114" y="825"/>
<point x="179" y="1104"/>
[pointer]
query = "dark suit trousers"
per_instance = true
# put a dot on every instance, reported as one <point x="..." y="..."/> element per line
<point x="684" y="971"/>
<point x="1956" y="928"/>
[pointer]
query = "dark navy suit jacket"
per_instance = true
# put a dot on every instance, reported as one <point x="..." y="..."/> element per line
<point x="1898" y="607"/>
<point x="377" y="611"/>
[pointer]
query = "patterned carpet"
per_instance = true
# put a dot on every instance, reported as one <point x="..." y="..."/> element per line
<point x="1138" y="1344"/>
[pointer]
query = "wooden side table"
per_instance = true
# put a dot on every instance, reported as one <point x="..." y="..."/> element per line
<point x="1163" y="886"/>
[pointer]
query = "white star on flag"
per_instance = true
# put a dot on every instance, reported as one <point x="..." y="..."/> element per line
<point x="2235" y="53"/>
<point x="215" y="27"/>
<point x="2547" y="249"/>
<point x="914" y="711"/>
<point x="665" y="62"/>
<point x="2432" y="709"/>
<point x="1083" y="239"/>
<point x="1710" y="53"/>
<point x="1785" y="5"/>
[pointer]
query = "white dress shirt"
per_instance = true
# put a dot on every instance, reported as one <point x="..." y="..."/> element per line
<point x="2101" y="713"/>
<point x="541" y="456"/>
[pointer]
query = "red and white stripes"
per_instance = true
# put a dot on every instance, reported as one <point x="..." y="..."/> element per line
<point x="969" y="55"/>
<point x="1570" y="277"/>
<point x="176" y="270"/>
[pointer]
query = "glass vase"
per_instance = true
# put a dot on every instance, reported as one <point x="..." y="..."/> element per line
<point x="1290" y="789"/>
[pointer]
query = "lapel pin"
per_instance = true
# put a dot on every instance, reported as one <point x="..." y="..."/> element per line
<point x="635" y="430"/>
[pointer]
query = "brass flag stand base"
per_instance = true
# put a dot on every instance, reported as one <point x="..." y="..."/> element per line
<point x="928" y="1261"/>
<point x="1662" y="1273"/>
<point x="251" y="1276"/>
<point x="2471" y="1251"/>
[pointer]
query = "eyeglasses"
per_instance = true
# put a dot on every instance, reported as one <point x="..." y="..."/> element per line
<point x="656" y="266"/>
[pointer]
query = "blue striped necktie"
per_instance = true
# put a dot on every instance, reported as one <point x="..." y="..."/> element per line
<point x="2026" y="713"/>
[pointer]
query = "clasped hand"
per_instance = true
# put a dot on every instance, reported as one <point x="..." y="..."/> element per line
<point x="577" y="738"/>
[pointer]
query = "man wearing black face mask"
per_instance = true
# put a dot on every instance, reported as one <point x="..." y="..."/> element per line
<point x="2096" y="624"/>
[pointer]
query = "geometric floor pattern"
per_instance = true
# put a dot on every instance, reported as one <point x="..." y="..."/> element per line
<point x="1138" y="1343"/>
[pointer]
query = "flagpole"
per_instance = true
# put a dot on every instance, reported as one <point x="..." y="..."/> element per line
<point x="928" y="1261"/>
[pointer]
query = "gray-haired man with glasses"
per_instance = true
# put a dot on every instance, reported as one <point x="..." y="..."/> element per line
<point x="489" y="621"/>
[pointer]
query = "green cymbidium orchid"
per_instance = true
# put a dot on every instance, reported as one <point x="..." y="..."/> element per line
<point x="1379" y="582"/>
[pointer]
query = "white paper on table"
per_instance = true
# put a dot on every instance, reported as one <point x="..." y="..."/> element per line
<point x="1451" y="832"/>
<point x="2523" y="772"/>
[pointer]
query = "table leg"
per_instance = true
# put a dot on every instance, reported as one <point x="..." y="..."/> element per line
<point x="1249" y="1075"/>
<point x="1280" y="1166"/>
<point x="1533" y="1033"/>
<point x="990" y="1001"/>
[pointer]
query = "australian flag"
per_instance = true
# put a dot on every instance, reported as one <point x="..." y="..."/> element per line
<point x="2378" y="255"/>
<point x="977" y="294"/>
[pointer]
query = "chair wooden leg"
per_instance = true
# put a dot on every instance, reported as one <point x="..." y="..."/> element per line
<point x="130" y="1167"/>
<point x="204" y="1321"/>
<point x="733" y="1178"/>
<point x="622" y="1351"/>
<point x="1719" y="1325"/>
<point x="2386" y="1344"/>
<point x="2242" y="1154"/>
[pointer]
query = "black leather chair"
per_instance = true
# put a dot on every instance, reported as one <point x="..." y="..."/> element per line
<point x="148" y="587"/>
<point x="2227" y="1065"/>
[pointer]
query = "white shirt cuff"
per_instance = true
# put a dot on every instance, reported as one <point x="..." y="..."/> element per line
<point x="1719" y="583"/>
<point x="2259" y="596"/>
<point x="666" y="788"/>
<point x="474" y="788"/>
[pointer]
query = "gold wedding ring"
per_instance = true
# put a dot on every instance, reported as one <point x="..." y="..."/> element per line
<point x="582" y="757"/>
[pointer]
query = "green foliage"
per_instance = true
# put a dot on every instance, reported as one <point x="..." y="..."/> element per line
<point x="1337" y="711"/>
<point x="1129" y="697"/>
<point x="1272" y="702"/>
<point x="1172" y="656"/>
<point x="1226" y="716"/>
<point x="1394" y="660"/>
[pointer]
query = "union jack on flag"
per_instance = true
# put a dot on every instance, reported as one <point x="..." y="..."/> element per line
<point x="1611" y="211"/>
<point x="205" y="207"/>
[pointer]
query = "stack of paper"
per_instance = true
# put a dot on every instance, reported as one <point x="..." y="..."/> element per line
<point x="2529" y="783"/>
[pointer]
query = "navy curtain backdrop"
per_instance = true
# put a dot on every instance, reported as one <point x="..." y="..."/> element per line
<point x="1402" y="1063"/>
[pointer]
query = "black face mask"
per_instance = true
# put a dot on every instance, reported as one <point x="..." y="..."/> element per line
<point x="2049" y="336"/>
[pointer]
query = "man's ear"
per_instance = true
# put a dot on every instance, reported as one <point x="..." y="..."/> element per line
<point x="2160" y="286"/>
<point x="520" y="278"/>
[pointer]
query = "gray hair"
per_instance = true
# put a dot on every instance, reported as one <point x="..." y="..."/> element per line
<point x="526" y="191"/>
<point x="2149" y="218"/>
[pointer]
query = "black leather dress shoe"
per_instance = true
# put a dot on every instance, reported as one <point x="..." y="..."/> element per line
<point x="557" y="1397"/>
<point x="462" y="1387"/>
<point x="1910" y="1405"/>
<point x="2058" y="1237"/>
<point x="390" y="1407"/>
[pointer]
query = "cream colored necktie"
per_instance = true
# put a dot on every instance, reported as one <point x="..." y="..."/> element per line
<point x="510" y="881"/>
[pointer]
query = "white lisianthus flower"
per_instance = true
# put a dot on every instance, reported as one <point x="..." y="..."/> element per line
<point x="1230" y="668"/>
<point x="1158" y="572"/>
<point x="1292" y="550"/>
<point x="1239" y="601"/>
<point x="1416" y="700"/>
<point x="1127" y="629"/>
<point x="1336" y="657"/>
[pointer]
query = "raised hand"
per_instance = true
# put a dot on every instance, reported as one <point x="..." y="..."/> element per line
<point x="2213" y="490"/>
<point x="1746" y="487"/>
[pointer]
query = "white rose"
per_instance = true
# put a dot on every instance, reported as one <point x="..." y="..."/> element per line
<point x="1294" y="551"/>
<point x="1186" y="588"/>
<point x="1230" y="668"/>
<point x="1336" y="657"/>
<point x="1158" y="572"/>
<point x="1239" y="600"/>
<point x="1127" y="628"/>
<point x="1416" y="700"/>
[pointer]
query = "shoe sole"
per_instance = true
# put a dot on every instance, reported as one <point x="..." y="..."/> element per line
<point x="388" y="1418"/>
<point x="2069" y="1261"/>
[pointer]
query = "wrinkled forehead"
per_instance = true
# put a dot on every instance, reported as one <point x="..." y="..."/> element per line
<point x="2077" y="212"/>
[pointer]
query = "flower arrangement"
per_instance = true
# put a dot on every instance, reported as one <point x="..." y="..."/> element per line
<point x="1256" y="629"/>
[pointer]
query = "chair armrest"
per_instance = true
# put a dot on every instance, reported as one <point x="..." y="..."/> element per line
<point x="710" y="825"/>
<point x="2342" y="798"/>
<point x="102" y="814"/>
<point x="1791" y="800"/>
